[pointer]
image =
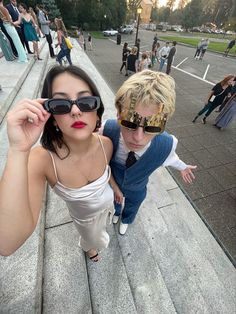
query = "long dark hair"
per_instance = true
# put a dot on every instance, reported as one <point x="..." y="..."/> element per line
<point x="51" y="138"/>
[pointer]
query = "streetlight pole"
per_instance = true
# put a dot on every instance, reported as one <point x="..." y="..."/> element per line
<point x="139" y="11"/>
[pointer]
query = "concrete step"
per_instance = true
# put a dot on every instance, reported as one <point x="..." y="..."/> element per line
<point x="167" y="262"/>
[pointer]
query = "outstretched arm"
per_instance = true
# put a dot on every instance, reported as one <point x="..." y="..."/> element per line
<point x="187" y="174"/>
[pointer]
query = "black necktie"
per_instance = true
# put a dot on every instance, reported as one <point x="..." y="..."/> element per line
<point x="131" y="159"/>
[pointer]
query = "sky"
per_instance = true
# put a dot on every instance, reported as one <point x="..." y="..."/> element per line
<point x="163" y="2"/>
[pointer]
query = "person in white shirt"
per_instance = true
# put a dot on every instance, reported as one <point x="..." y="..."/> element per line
<point x="163" y="55"/>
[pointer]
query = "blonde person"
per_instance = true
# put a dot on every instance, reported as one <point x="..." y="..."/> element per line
<point x="144" y="104"/>
<point x="72" y="159"/>
<point x="143" y="63"/>
<point x="61" y="34"/>
<point x="29" y="28"/>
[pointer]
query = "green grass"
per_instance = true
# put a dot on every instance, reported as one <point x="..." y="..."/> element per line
<point x="213" y="46"/>
<point x="98" y="35"/>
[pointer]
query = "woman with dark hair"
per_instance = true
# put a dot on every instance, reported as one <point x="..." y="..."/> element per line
<point x="125" y="53"/>
<point x="72" y="159"/>
<point x="216" y="97"/>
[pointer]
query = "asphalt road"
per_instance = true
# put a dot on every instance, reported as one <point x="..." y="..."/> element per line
<point x="213" y="193"/>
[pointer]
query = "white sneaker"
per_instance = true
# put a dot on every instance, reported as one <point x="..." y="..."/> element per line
<point x="123" y="228"/>
<point x="115" y="219"/>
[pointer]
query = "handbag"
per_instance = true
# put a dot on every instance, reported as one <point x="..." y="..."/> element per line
<point x="212" y="98"/>
<point x="68" y="43"/>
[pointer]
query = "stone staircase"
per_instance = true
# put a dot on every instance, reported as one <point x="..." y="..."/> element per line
<point x="168" y="261"/>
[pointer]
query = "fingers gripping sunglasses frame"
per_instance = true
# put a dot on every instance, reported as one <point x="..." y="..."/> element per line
<point x="57" y="106"/>
<point x="154" y="124"/>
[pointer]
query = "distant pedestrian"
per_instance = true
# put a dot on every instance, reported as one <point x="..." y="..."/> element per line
<point x="137" y="44"/>
<point x="204" y="47"/>
<point x="131" y="61"/>
<point x="230" y="46"/>
<point x="143" y="63"/>
<point x="90" y="44"/>
<point x="81" y="40"/>
<point x="125" y="53"/>
<point x="163" y="55"/>
<point x="171" y="57"/>
<point x="155" y="47"/>
<point x="61" y="34"/>
<point x="216" y="97"/>
<point x="45" y="29"/>
<point x="198" y="50"/>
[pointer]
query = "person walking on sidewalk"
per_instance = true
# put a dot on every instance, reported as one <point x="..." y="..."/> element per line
<point x="61" y="34"/>
<point x="204" y="47"/>
<point x="229" y="47"/>
<point x="125" y="53"/>
<point x="198" y="50"/>
<point x="216" y="97"/>
<point x="170" y="57"/>
<point x="144" y="103"/>
<point x="163" y="55"/>
<point x="72" y="159"/>
<point x="44" y="23"/>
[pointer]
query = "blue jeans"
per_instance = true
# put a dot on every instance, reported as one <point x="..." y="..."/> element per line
<point x="162" y="62"/>
<point x="131" y="206"/>
<point x="64" y="53"/>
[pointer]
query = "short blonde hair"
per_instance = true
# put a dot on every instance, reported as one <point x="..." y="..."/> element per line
<point x="147" y="87"/>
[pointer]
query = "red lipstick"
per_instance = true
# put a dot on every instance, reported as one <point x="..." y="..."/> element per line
<point x="78" y="125"/>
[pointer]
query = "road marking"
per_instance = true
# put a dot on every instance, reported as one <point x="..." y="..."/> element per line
<point x="195" y="76"/>
<point x="204" y="76"/>
<point x="181" y="62"/>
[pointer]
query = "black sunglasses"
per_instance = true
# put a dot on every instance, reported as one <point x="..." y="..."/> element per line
<point x="62" y="106"/>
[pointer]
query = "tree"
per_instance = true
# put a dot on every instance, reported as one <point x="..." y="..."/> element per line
<point x="51" y="8"/>
<point x="192" y="14"/>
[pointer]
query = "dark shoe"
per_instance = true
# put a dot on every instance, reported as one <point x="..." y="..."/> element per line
<point x="39" y="58"/>
<point x="218" y="127"/>
<point x="204" y="120"/>
<point x="30" y="52"/>
<point x="194" y="120"/>
<point x="126" y="74"/>
<point x="94" y="258"/>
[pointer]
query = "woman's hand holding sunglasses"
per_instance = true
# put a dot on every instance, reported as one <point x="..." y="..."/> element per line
<point x="25" y="123"/>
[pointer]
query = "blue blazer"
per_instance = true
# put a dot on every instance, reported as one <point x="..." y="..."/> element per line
<point x="14" y="14"/>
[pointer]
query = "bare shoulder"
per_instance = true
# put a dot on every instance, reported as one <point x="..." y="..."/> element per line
<point x="39" y="159"/>
<point x="108" y="146"/>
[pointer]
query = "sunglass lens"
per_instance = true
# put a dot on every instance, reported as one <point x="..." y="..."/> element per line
<point x="87" y="104"/>
<point x="59" y="106"/>
<point x="128" y="124"/>
<point x="153" y="129"/>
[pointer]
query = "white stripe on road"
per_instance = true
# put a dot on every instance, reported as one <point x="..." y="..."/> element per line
<point x="195" y="76"/>
<point x="181" y="62"/>
<point x="204" y="76"/>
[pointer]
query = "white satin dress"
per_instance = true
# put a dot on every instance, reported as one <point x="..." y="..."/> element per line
<point x="89" y="207"/>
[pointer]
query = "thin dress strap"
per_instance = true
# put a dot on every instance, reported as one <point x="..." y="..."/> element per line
<point x="54" y="165"/>
<point x="105" y="156"/>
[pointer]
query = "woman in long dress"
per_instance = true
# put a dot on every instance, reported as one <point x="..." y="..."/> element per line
<point x="29" y="28"/>
<point x="6" y="47"/>
<point x="8" y="24"/>
<point x="227" y="114"/>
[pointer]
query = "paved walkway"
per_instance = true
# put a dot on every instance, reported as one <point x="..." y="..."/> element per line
<point x="213" y="194"/>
